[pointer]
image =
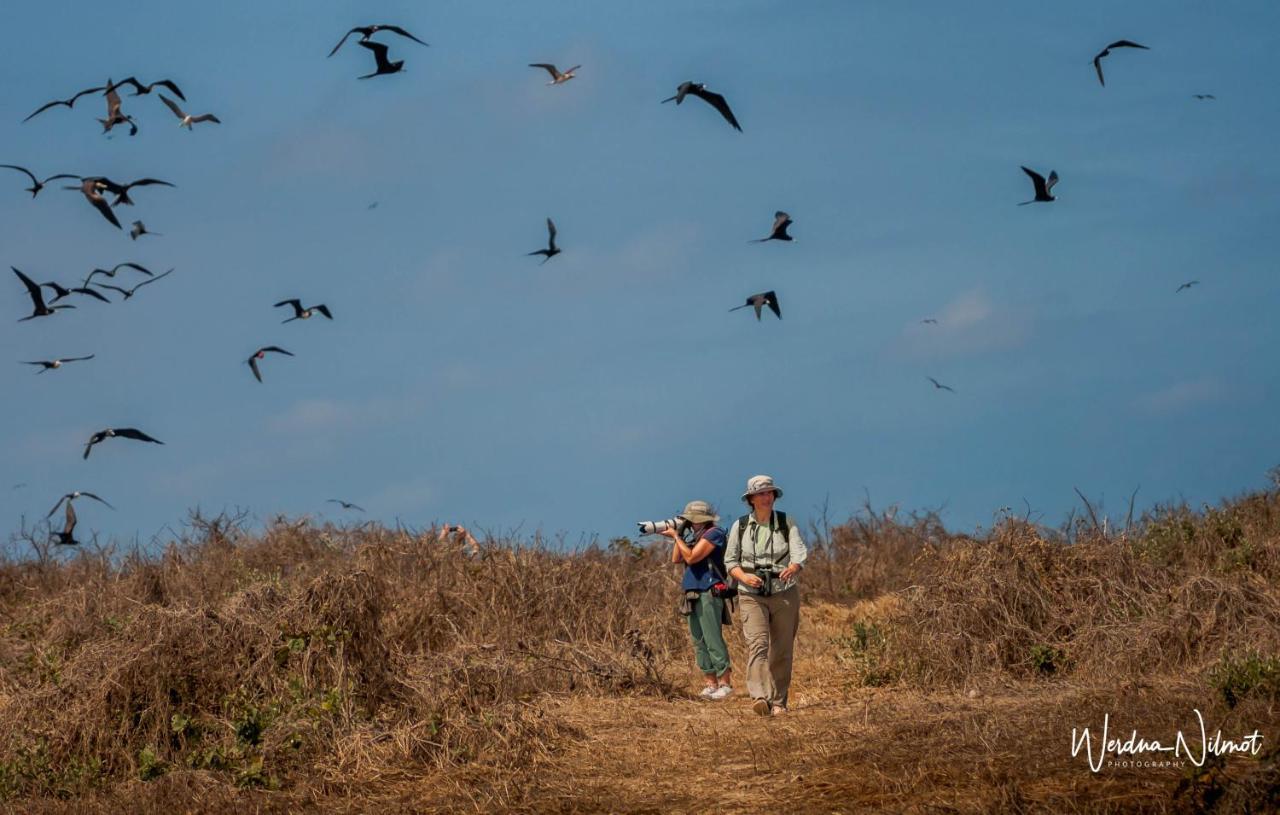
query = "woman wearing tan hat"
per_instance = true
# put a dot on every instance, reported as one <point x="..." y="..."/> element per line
<point x="701" y="550"/>
<point x="765" y="554"/>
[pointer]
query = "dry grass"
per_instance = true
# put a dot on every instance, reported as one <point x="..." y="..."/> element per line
<point x="348" y="669"/>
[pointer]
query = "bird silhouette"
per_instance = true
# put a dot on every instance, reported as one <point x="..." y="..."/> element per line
<point x="367" y="31"/>
<point x="55" y="364"/>
<point x="139" y="229"/>
<point x="300" y="313"/>
<point x="185" y="119"/>
<point x="69" y="103"/>
<point x="1042" y="187"/>
<point x="1097" y="61"/>
<point x="121" y="191"/>
<point x="381" y="64"/>
<point x="39" y="307"/>
<point x="113" y="432"/>
<point x="114" y="116"/>
<point x="112" y="271"/>
<point x="557" y="78"/>
<point x="71" y="496"/>
<point x="67" y="536"/>
<point x="939" y="385"/>
<point x="261" y="353"/>
<point x="345" y="504"/>
<point x="551" y="250"/>
<point x="61" y="292"/>
<point x="129" y="292"/>
<point x="140" y="90"/>
<point x="929" y="321"/>
<point x="715" y="100"/>
<point x="781" y="221"/>
<point x="92" y="189"/>
<point x="1186" y="285"/>
<point x="761" y="300"/>
<point x="36" y="184"/>
<point x="1203" y="96"/>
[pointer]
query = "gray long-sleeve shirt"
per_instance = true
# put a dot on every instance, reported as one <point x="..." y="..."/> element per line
<point x="760" y="546"/>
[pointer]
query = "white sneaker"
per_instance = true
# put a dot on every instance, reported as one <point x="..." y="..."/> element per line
<point x="709" y="693"/>
<point x="722" y="691"/>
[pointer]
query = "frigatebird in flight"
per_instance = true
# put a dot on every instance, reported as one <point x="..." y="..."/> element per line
<point x="781" y="221"/>
<point x="39" y="307"/>
<point x="67" y="102"/>
<point x="715" y="100"/>
<point x="1097" y="61"/>
<point x="55" y="364"/>
<point x="367" y="31"/>
<point x="557" y="77"/>
<point x="552" y="250"/>
<point x="71" y="496"/>
<point x="122" y="432"/>
<point x="1042" y="186"/>
<point x="300" y="313"/>
<point x="761" y="300"/>
<point x="262" y="353"/>
<point x="939" y="385"/>
<point x="36" y="184"/>
<point x="129" y="292"/>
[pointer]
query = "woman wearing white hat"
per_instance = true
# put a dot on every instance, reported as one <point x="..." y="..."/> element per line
<point x="764" y="554"/>
<point x="703" y="558"/>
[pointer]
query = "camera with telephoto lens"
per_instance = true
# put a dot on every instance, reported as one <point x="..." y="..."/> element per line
<point x="658" y="527"/>
<point x="768" y="574"/>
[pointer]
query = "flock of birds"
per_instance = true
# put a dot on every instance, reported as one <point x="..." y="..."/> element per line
<point x="96" y="190"/>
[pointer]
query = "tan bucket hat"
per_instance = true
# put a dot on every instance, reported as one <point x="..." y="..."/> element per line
<point x="757" y="484"/>
<point x="699" y="512"/>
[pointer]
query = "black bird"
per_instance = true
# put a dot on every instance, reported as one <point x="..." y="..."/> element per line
<point x="367" y="31"/>
<point x="300" y="313"/>
<point x="262" y="353"/>
<point x="121" y="191"/>
<point x="930" y="320"/>
<point x="129" y="292"/>
<point x="71" y="496"/>
<point x="39" y="308"/>
<point x="114" y="116"/>
<point x="67" y="536"/>
<point x="557" y="77"/>
<point x="552" y="250"/>
<point x="112" y="271"/>
<point x="781" y="221"/>
<point x="140" y="90"/>
<point x="185" y="119"/>
<point x="1042" y="187"/>
<point x="92" y="189"/>
<point x="345" y="504"/>
<point x="36" y="184"/>
<point x="767" y="298"/>
<point x="714" y="99"/>
<point x="1097" y="61"/>
<point x="55" y="364"/>
<point x="61" y="292"/>
<point x="68" y="102"/>
<point x="139" y="229"/>
<point x="939" y="385"/>
<point x="122" y="432"/>
<point x="1186" y="285"/>
<point x="1204" y="96"/>
<point x="381" y="64"/>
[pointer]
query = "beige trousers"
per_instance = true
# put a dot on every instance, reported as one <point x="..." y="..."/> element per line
<point x="769" y="626"/>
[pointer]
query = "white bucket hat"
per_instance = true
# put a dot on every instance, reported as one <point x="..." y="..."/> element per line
<point x="699" y="512"/>
<point x="757" y="484"/>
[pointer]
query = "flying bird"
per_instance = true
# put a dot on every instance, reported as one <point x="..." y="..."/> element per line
<point x="114" y="116"/>
<point x="262" y="353"/>
<point x="185" y="119"/>
<point x="1187" y="285"/>
<point x="767" y="298"/>
<point x="61" y="292"/>
<point x="39" y="307"/>
<point x="92" y="189"/>
<point x="557" y="77"/>
<point x="67" y="536"/>
<point x="129" y="292"/>
<point x="1204" y="96"/>
<point x="300" y="313"/>
<point x="1097" y="61"/>
<point x="71" y="496"/>
<point x="121" y="191"/>
<point x="781" y="221"/>
<point x="122" y="432"/>
<point x="381" y="64"/>
<point x="36" y="184"/>
<point x="939" y="385"/>
<point x="139" y="89"/>
<point x="930" y="320"/>
<point x="139" y="229"/>
<point x="112" y="271"/>
<point x="552" y="250"/>
<point x="55" y="364"/>
<point x="367" y="31"/>
<point x="345" y="504"/>
<point x="67" y="102"/>
<point x="1042" y="187"/>
<point x="715" y="100"/>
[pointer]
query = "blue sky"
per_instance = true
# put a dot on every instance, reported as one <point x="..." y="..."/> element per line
<point x="463" y="381"/>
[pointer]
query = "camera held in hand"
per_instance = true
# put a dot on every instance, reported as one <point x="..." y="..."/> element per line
<point x="658" y="527"/>
<point x="768" y="574"/>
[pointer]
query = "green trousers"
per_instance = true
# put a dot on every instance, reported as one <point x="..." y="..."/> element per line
<point x="708" y="643"/>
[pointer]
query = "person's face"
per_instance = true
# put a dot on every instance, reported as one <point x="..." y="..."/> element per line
<point x="763" y="501"/>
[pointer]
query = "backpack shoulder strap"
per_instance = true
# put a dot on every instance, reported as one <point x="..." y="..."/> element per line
<point x="784" y="525"/>
<point x="742" y="527"/>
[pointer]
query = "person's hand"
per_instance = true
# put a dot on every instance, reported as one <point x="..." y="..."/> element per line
<point x="753" y="581"/>
<point x="670" y="533"/>
<point x="789" y="572"/>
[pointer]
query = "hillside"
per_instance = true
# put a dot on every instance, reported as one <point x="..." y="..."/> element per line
<point x="318" y="668"/>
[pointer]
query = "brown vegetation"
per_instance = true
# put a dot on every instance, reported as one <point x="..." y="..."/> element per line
<point x="346" y="669"/>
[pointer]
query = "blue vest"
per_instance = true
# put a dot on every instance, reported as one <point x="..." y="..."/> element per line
<point x="700" y="576"/>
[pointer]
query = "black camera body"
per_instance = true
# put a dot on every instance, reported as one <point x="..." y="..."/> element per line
<point x="768" y="574"/>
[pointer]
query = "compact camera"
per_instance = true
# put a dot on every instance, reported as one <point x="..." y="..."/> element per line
<point x="658" y="527"/>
